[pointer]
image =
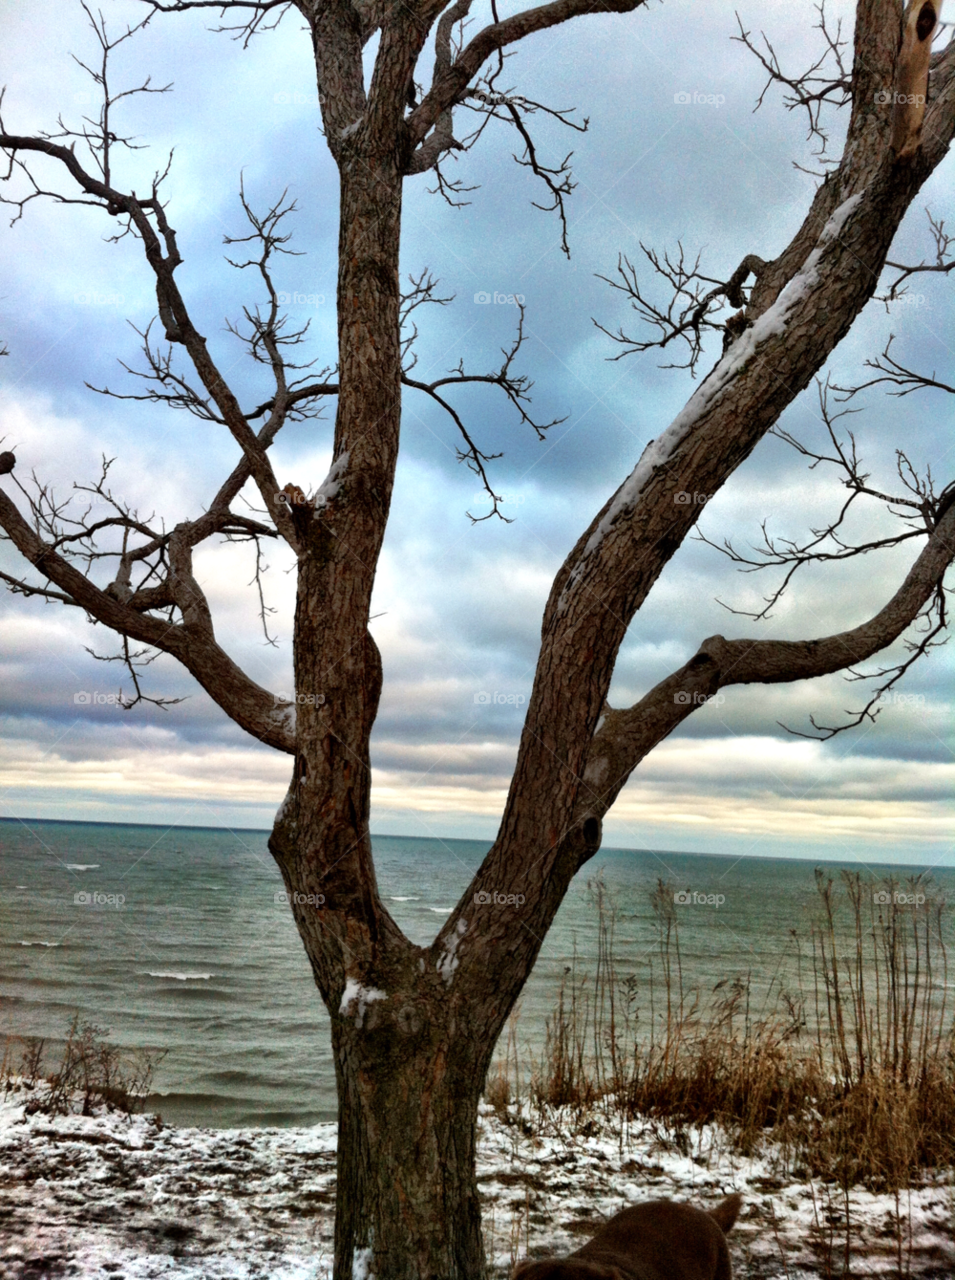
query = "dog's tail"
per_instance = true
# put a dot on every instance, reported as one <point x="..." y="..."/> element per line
<point x="725" y="1214"/>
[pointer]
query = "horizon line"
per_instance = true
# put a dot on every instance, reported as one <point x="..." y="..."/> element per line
<point x="683" y="853"/>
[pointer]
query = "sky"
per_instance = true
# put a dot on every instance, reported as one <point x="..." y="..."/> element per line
<point x="674" y="154"/>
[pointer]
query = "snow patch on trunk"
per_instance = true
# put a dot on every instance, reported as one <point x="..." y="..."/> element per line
<point x="284" y="806"/>
<point x="596" y="770"/>
<point x="283" y="715"/>
<point x="333" y="481"/>
<point x="449" y="960"/>
<point x="361" y="1265"/>
<point x="364" y="996"/>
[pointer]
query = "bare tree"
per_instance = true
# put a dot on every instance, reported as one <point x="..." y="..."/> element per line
<point x="414" y="1028"/>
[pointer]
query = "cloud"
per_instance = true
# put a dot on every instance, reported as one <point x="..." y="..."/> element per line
<point x="751" y="796"/>
<point x="459" y="604"/>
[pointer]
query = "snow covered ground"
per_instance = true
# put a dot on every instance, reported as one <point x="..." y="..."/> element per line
<point x="107" y="1196"/>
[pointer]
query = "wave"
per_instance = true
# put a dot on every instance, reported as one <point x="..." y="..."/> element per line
<point x="82" y="866"/>
<point x="441" y="911"/>
<point x="159" y="1098"/>
<point x="41" y="944"/>
<point x="393" y="898"/>
<point x="180" y="977"/>
<point x="222" y="1112"/>
<point x="236" y="1076"/>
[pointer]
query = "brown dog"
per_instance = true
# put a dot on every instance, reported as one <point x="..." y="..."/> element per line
<point x="660" y="1240"/>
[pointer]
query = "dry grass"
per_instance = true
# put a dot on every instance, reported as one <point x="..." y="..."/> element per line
<point x="849" y="1071"/>
<point x="91" y="1073"/>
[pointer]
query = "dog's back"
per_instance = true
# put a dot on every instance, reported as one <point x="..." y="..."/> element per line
<point x="659" y="1240"/>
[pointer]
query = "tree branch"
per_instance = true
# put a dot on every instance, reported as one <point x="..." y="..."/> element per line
<point x="244" y="31"/>
<point x="896" y="374"/>
<point x="172" y="308"/>
<point x="626" y="737"/>
<point x="814" y="88"/>
<point x="944" y="262"/>
<point x="689" y="312"/>
<point x="808" y="299"/>
<point x="515" y="386"/>
<point x="919" y="512"/>
<point x="193" y="644"/>
<point x="451" y="86"/>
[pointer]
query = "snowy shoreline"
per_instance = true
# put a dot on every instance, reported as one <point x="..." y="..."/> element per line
<point x="104" y="1195"/>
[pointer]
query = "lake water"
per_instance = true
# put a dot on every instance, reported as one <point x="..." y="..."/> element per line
<point x="199" y="960"/>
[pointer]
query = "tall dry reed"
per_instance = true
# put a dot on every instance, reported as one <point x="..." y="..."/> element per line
<point x="848" y="1067"/>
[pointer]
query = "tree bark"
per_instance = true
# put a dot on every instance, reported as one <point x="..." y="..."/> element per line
<point x="409" y="1086"/>
<point x="337" y="666"/>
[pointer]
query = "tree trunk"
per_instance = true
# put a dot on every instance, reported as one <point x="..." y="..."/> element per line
<point x="412" y="1044"/>
<point x="407" y="1202"/>
<point x="408" y="1083"/>
<point x="413" y="1028"/>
